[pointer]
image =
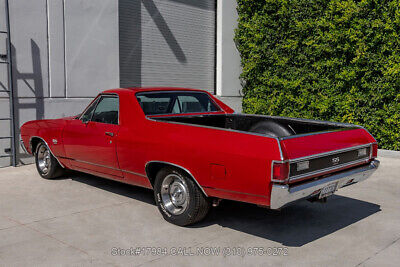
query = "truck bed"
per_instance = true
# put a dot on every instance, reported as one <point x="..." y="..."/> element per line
<point x="246" y="123"/>
<point x="326" y="147"/>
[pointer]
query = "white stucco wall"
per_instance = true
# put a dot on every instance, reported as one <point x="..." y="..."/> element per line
<point x="228" y="59"/>
<point x="64" y="52"/>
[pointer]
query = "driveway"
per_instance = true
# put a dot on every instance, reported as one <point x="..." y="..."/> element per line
<point x="84" y="220"/>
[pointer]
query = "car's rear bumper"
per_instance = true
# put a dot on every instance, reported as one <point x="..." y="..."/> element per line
<point x="282" y="195"/>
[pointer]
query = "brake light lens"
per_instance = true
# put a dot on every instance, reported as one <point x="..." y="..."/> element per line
<point x="280" y="171"/>
<point x="374" y="150"/>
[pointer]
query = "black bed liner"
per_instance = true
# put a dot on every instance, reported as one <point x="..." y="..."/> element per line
<point x="243" y="123"/>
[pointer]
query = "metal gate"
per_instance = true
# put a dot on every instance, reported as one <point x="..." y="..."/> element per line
<point x="7" y="127"/>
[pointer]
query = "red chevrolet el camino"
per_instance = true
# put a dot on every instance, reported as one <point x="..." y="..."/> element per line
<point x="193" y="150"/>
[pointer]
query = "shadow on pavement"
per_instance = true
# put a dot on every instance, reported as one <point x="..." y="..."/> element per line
<point x="131" y="191"/>
<point x="293" y="226"/>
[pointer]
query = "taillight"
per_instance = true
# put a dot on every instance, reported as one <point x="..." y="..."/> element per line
<point x="280" y="171"/>
<point x="374" y="150"/>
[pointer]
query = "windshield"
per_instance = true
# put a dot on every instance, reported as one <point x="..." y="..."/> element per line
<point x="157" y="103"/>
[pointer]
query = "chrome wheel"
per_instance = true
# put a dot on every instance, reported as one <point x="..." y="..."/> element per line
<point x="44" y="160"/>
<point x="174" y="194"/>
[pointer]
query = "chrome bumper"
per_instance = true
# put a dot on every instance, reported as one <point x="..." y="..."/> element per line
<point x="281" y="195"/>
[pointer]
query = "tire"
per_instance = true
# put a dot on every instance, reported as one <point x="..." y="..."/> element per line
<point x="179" y="199"/>
<point x="271" y="128"/>
<point x="46" y="164"/>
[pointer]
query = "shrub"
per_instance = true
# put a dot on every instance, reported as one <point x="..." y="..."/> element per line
<point x="336" y="60"/>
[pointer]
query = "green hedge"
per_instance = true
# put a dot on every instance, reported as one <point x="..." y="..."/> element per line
<point x="334" y="60"/>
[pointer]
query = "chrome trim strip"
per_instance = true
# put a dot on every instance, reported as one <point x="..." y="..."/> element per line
<point x="280" y="147"/>
<point x="324" y="153"/>
<point x="30" y="146"/>
<point x="370" y="151"/>
<point x="321" y="132"/>
<point x="330" y="152"/>
<point x="99" y="174"/>
<point x="342" y="124"/>
<point x="108" y="167"/>
<point x="135" y="173"/>
<point x="282" y="195"/>
<point x="297" y="177"/>
<point x="178" y="166"/>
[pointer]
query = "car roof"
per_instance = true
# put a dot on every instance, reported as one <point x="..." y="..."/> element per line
<point x="151" y="89"/>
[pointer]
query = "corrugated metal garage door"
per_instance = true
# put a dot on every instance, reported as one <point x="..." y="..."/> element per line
<point x="167" y="43"/>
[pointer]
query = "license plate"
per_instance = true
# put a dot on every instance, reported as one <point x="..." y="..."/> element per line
<point x="328" y="190"/>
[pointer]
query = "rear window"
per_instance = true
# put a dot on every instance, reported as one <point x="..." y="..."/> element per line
<point x="158" y="103"/>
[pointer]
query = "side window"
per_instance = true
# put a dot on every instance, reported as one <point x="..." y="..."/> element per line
<point x="106" y="110"/>
<point x="177" y="107"/>
<point x="89" y="112"/>
<point x="191" y="104"/>
<point x="154" y="103"/>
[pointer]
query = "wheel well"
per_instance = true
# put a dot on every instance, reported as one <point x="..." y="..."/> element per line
<point x="33" y="143"/>
<point x="153" y="168"/>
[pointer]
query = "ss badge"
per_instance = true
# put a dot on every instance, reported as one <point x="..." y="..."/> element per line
<point x="335" y="160"/>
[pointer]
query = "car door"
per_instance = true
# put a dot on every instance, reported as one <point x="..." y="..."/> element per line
<point x="90" y="140"/>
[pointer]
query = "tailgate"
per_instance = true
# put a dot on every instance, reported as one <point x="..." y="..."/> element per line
<point x="317" y="154"/>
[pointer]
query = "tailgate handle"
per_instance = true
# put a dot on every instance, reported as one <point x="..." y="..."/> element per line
<point x="109" y="134"/>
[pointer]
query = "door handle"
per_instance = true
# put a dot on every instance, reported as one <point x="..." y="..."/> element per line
<point x="109" y="134"/>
